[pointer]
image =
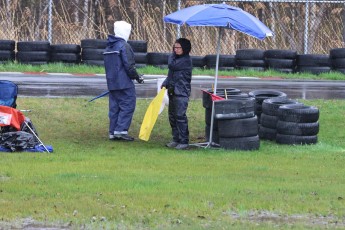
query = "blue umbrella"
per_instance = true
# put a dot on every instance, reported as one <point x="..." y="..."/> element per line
<point x="221" y="16"/>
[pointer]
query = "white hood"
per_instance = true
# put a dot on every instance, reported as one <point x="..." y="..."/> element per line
<point x="122" y="29"/>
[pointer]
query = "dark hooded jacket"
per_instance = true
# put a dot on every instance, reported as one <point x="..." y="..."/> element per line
<point x="179" y="75"/>
<point x="119" y="64"/>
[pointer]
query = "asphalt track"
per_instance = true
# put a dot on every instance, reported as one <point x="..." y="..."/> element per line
<point x="90" y="85"/>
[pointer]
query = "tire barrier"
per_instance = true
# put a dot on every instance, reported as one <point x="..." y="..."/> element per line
<point x="313" y="63"/>
<point x="198" y="61"/>
<point x="65" y="53"/>
<point x="261" y="95"/>
<point x="226" y="62"/>
<point x="237" y="124"/>
<point x="207" y="104"/>
<point x="33" y="52"/>
<point x="337" y="59"/>
<point x="250" y="59"/>
<point x="269" y="116"/>
<point x="159" y="60"/>
<point x="7" y="52"/>
<point x="281" y="60"/>
<point x="92" y="51"/>
<point x="297" y="124"/>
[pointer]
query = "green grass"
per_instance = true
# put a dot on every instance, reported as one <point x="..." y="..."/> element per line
<point x="86" y="69"/>
<point x="92" y="182"/>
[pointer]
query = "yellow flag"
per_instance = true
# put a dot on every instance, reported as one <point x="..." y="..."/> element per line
<point x="151" y="116"/>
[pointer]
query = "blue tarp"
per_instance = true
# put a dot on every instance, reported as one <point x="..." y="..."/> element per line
<point x="37" y="148"/>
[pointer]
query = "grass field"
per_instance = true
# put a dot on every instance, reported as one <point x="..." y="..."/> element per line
<point x="89" y="182"/>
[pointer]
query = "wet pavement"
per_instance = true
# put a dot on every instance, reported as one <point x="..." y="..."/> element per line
<point x="67" y="85"/>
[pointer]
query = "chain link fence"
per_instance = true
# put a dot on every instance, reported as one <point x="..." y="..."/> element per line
<point x="306" y="26"/>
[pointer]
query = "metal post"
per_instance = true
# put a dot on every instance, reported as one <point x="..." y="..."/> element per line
<point x="50" y="21"/>
<point x="178" y="26"/>
<point x="306" y="26"/>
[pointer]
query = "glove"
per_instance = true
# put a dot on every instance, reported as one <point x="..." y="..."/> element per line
<point x="140" y="79"/>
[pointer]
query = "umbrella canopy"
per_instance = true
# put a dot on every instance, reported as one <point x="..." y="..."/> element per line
<point x="220" y="15"/>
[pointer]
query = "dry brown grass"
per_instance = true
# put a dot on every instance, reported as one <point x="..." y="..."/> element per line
<point x="74" y="20"/>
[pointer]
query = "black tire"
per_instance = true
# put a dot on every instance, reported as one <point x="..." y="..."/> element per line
<point x="65" y="48"/>
<point x="140" y="58"/>
<point x="93" y="62"/>
<point x="251" y="63"/>
<point x="92" y="54"/>
<point x="8" y="45"/>
<point x="224" y="61"/>
<point x="93" y="43"/>
<point x="138" y="46"/>
<point x="338" y="63"/>
<point x="245" y="127"/>
<point x="296" y="140"/>
<point x="281" y="63"/>
<point x="240" y="143"/>
<point x="261" y="95"/>
<point x="337" y="53"/>
<point x="281" y="54"/>
<point x="313" y="60"/>
<point x="35" y="62"/>
<point x="234" y="108"/>
<point x="157" y="59"/>
<point x="251" y="68"/>
<point x="33" y="56"/>
<point x="284" y="70"/>
<point x="298" y="113"/>
<point x="250" y="54"/>
<point x="33" y="46"/>
<point x="198" y="61"/>
<point x="299" y="129"/>
<point x="65" y="57"/>
<point x="270" y="106"/>
<point x="313" y="70"/>
<point x="268" y="121"/>
<point x="267" y="133"/>
<point x="7" y="55"/>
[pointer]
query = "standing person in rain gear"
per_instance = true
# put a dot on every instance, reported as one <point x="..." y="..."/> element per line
<point x="178" y="84"/>
<point x="120" y="72"/>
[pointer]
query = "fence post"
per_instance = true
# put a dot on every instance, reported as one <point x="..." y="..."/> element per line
<point x="50" y="21"/>
<point x="306" y="26"/>
<point x="178" y="26"/>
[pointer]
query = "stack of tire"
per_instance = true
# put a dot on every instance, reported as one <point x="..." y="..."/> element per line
<point x="297" y="124"/>
<point x="337" y="59"/>
<point x="33" y="52"/>
<point x="226" y="62"/>
<point x="269" y="116"/>
<point x="7" y="52"/>
<point x="65" y="53"/>
<point x="281" y="60"/>
<point x="237" y="123"/>
<point x="92" y="51"/>
<point x="159" y="60"/>
<point x="261" y="95"/>
<point x="207" y="104"/>
<point x="139" y="48"/>
<point x="250" y="59"/>
<point x="313" y="63"/>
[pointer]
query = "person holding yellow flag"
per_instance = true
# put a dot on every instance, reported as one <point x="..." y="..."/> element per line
<point x="178" y="84"/>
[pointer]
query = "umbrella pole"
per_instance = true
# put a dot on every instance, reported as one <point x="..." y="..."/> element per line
<point x="215" y="87"/>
